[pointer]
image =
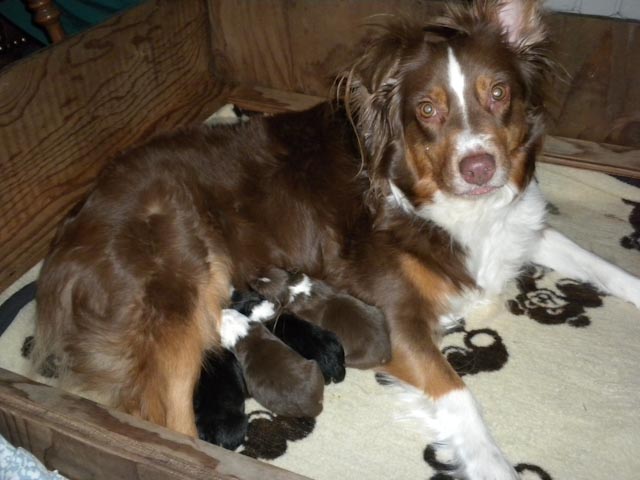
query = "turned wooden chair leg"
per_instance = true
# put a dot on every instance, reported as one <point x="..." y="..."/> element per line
<point x="47" y="16"/>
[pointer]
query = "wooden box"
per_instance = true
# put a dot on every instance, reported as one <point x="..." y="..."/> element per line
<point x="68" y="109"/>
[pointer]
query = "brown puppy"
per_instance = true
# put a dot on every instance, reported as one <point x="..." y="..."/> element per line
<point x="361" y="328"/>
<point x="275" y="375"/>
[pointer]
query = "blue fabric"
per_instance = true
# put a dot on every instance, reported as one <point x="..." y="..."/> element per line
<point x="11" y="307"/>
<point x="19" y="464"/>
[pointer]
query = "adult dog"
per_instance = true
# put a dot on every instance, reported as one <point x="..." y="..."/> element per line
<point x="429" y="201"/>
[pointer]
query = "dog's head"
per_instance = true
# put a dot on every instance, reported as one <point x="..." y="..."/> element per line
<point x="455" y="106"/>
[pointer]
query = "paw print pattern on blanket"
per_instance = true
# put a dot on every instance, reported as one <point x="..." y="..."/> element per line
<point x="632" y="241"/>
<point x="268" y="434"/>
<point x="483" y="351"/>
<point x="565" y="302"/>
<point x="445" y="470"/>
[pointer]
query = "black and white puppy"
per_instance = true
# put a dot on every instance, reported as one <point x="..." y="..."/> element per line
<point x="218" y="401"/>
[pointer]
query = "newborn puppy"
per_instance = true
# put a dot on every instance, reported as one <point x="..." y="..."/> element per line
<point x="275" y="375"/>
<point x="218" y="401"/>
<point x="309" y="340"/>
<point x="361" y="328"/>
<point x="221" y="391"/>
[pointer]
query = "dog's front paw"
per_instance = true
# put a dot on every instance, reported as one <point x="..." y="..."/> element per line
<point x="452" y="464"/>
<point x="489" y="465"/>
<point x="627" y="288"/>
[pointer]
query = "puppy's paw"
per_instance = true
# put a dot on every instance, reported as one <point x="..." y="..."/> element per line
<point x="227" y="431"/>
<point x="313" y="343"/>
<point x="330" y="358"/>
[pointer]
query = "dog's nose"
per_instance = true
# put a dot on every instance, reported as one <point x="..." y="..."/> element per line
<point x="478" y="169"/>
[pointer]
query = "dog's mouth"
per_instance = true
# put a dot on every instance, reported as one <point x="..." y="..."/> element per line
<point x="479" y="191"/>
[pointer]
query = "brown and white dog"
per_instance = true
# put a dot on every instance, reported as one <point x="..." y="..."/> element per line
<point x="429" y="202"/>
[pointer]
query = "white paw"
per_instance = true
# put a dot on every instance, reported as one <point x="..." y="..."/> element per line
<point x="490" y="466"/>
<point x="628" y="289"/>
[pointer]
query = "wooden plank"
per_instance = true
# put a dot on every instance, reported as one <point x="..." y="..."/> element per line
<point x="294" y="46"/>
<point x="605" y="158"/>
<point x="82" y="439"/>
<point x="599" y="100"/>
<point x="600" y="157"/>
<point x="66" y="110"/>
<point x="300" y="46"/>
<point x="268" y="100"/>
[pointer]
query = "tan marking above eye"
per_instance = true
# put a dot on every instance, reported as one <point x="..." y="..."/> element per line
<point x="427" y="109"/>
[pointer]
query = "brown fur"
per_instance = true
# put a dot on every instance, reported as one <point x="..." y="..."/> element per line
<point x="277" y="377"/>
<point x="361" y="328"/>
<point x="130" y="294"/>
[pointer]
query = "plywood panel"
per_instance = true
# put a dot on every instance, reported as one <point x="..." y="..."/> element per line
<point x="295" y="46"/>
<point x="66" y="110"/>
<point x="82" y="440"/>
<point x="600" y="99"/>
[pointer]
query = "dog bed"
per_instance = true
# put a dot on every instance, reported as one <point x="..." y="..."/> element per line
<point x="552" y="363"/>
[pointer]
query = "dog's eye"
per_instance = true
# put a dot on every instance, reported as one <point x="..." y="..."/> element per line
<point x="427" y="109"/>
<point x="498" y="92"/>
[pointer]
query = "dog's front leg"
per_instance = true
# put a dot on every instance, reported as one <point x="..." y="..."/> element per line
<point x="567" y="258"/>
<point x="436" y="396"/>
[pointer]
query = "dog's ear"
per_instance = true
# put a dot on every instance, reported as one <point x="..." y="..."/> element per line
<point x="521" y="22"/>
<point x="372" y="94"/>
<point x="522" y="25"/>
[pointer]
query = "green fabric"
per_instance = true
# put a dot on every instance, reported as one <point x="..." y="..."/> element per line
<point x="77" y="15"/>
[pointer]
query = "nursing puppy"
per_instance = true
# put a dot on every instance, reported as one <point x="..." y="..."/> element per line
<point x="218" y="401"/>
<point x="428" y="203"/>
<point x="280" y="380"/>
<point x="361" y="328"/>
<point x="276" y="376"/>
<point x="308" y="340"/>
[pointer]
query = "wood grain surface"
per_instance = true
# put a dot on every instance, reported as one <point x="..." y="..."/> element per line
<point x="600" y="99"/>
<point x="298" y="46"/>
<point x="83" y="440"/>
<point x="68" y="109"/>
<point x="600" y="157"/>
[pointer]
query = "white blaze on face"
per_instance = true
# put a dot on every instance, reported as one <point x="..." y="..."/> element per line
<point x="457" y="84"/>
<point x="468" y="141"/>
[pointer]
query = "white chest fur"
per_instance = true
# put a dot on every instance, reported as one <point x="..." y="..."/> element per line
<point x="500" y="231"/>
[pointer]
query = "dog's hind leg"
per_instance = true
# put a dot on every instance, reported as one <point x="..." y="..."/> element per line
<point x="168" y="356"/>
<point x="561" y="254"/>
